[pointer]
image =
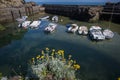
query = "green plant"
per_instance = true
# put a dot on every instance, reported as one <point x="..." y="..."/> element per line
<point x="51" y="65"/>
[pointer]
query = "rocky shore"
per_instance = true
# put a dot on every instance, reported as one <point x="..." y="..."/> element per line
<point x="12" y="9"/>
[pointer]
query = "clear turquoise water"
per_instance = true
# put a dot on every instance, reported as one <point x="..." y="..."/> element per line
<point x="98" y="60"/>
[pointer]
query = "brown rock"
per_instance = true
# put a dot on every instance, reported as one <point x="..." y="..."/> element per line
<point x="94" y="13"/>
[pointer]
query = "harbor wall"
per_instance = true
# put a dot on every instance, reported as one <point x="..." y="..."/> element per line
<point x="111" y="12"/>
<point x="84" y="13"/>
<point x="90" y="13"/>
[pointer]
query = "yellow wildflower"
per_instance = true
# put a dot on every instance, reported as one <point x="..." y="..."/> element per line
<point x="38" y="57"/>
<point x="47" y="49"/>
<point x="42" y="57"/>
<point x="33" y="58"/>
<point x="61" y="52"/>
<point x="119" y="78"/>
<point x="76" y="66"/>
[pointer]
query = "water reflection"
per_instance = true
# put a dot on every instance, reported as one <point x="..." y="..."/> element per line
<point x="98" y="60"/>
<point x="10" y="34"/>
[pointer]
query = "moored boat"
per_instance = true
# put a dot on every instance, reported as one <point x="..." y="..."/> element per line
<point x="83" y="30"/>
<point x="25" y="24"/>
<point x="55" y="18"/>
<point x="108" y="33"/>
<point x="96" y="33"/>
<point x="35" y="24"/>
<point x="50" y="28"/>
<point x="73" y="28"/>
<point x="45" y="18"/>
<point x="22" y="19"/>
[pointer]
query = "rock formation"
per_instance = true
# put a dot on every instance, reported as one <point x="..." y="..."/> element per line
<point x="11" y="3"/>
<point x="12" y="9"/>
<point x="94" y="13"/>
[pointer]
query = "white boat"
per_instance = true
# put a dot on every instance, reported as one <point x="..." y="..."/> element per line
<point x="108" y="34"/>
<point x="96" y="27"/>
<point x="25" y="24"/>
<point x="22" y="19"/>
<point x="50" y="28"/>
<point x="55" y="18"/>
<point x="73" y="28"/>
<point x="96" y="33"/>
<point x="45" y="18"/>
<point x="83" y="30"/>
<point x="35" y="24"/>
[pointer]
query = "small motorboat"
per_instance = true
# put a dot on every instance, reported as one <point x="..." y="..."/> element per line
<point x="25" y="24"/>
<point x="108" y="34"/>
<point x="55" y="18"/>
<point x="73" y="28"/>
<point x="83" y="30"/>
<point x="22" y="19"/>
<point x="45" y="18"/>
<point x="50" y="28"/>
<point x="96" y="33"/>
<point x="96" y="27"/>
<point x="35" y="24"/>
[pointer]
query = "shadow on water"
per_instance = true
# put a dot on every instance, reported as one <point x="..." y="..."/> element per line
<point x="10" y="34"/>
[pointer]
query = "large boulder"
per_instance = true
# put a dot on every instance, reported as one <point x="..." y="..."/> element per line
<point x="11" y="3"/>
<point x="94" y="13"/>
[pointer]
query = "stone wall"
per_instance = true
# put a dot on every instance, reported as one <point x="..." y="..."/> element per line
<point x="111" y="12"/>
<point x="84" y="13"/>
<point x="8" y="14"/>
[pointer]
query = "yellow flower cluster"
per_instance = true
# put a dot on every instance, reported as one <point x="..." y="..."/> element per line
<point x="57" y="55"/>
<point x="76" y="66"/>
<point x="33" y="59"/>
<point x="38" y="57"/>
<point x="60" y="52"/>
<point x="47" y="49"/>
<point x="119" y="78"/>
<point x="42" y="57"/>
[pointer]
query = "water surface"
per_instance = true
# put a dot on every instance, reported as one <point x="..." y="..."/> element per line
<point x="98" y="60"/>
